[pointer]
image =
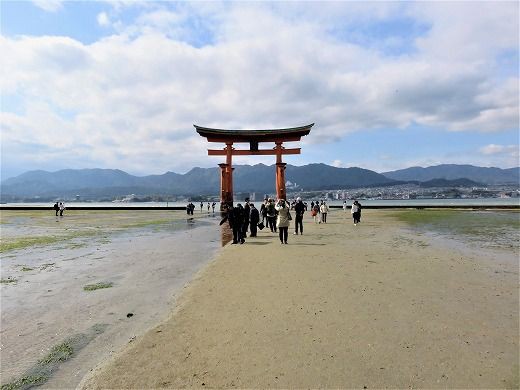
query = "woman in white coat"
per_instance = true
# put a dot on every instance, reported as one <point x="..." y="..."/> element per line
<point x="283" y="221"/>
<point x="324" y="211"/>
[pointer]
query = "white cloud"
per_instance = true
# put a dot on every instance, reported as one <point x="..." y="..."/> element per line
<point x="492" y="149"/>
<point x="49" y="5"/>
<point x="129" y="100"/>
<point x="465" y="31"/>
<point x="103" y="19"/>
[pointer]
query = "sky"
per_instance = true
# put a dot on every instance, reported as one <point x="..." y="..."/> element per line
<point x="389" y="85"/>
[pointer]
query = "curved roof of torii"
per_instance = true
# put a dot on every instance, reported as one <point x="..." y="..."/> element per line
<point x="267" y="135"/>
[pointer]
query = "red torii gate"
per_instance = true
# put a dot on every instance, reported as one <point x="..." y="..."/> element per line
<point x="253" y="137"/>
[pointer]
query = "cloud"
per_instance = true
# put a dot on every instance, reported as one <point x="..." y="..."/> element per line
<point x="492" y="149"/>
<point x="49" y="5"/>
<point x="130" y="99"/>
<point x="103" y="19"/>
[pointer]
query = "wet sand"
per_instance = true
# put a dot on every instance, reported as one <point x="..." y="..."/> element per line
<point x="368" y="306"/>
<point x="147" y="261"/>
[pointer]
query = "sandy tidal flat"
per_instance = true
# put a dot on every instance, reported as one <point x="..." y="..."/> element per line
<point x="144" y="258"/>
<point x="374" y="305"/>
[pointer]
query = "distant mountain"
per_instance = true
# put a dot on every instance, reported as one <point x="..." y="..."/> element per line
<point x="453" y="171"/>
<point x="449" y="183"/>
<point x="107" y="183"/>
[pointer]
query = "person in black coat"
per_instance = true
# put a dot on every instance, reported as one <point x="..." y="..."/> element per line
<point x="245" y="223"/>
<point x="254" y="218"/>
<point x="56" y="208"/>
<point x="357" y="215"/>
<point x="263" y="212"/>
<point x="238" y="224"/>
<point x="235" y="218"/>
<point x="299" y="210"/>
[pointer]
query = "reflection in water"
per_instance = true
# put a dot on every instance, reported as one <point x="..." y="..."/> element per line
<point x="226" y="234"/>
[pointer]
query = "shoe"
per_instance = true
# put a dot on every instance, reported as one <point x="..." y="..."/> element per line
<point x="286" y="242"/>
<point x="295" y="233"/>
<point x="281" y="242"/>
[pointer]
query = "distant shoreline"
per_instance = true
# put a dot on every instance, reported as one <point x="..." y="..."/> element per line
<point x="177" y="208"/>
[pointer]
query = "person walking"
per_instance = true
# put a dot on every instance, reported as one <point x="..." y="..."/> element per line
<point x="271" y="215"/>
<point x="62" y="208"/>
<point x="324" y="210"/>
<point x="213" y="207"/>
<point x="241" y="218"/>
<point x="345" y="207"/>
<point x="315" y="213"/>
<point x="254" y="218"/>
<point x="356" y="212"/>
<point x="245" y="225"/>
<point x="235" y="218"/>
<point x="263" y="212"/>
<point x="201" y="206"/>
<point x="282" y="222"/>
<point x="299" y="210"/>
<point x="56" y="208"/>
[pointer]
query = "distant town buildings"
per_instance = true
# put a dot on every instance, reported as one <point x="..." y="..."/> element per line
<point x="412" y="191"/>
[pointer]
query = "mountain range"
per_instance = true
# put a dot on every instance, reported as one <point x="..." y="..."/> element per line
<point x="110" y="183"/>
<point x="489" y="176"/>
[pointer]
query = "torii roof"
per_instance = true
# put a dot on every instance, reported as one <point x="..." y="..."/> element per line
<point x="267" y="135"/>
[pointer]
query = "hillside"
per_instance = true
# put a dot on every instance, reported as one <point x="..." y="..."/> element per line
<point x="453" y="171"/>
<point x="110" y="183"/>
<point x="107" y="183"/>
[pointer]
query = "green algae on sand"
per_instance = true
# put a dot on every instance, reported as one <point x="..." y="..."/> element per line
<point x="46" y="366"/>
<point x="493" y="229"/>
<point x="25" y="229"/>
<point x="97" y="286"/>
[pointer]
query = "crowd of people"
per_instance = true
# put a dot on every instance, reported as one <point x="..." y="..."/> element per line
<point x="190" y="207"/>
<point x="276" y="216"/>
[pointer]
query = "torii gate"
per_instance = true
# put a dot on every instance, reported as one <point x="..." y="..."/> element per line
<point x="253" y="137"/>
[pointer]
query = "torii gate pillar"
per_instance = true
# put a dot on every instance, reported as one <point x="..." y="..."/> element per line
<point x="281" y="193"/>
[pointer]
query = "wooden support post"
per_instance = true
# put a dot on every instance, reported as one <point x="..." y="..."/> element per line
<point x="280" y="181"/>
<point x="224" y="191"/>
<point x="280" y="172"/>
<point x="229" y="170"/>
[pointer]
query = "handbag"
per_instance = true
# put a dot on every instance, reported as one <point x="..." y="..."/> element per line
<point x="261" y="225"/>
<point x="289" y="216"/>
